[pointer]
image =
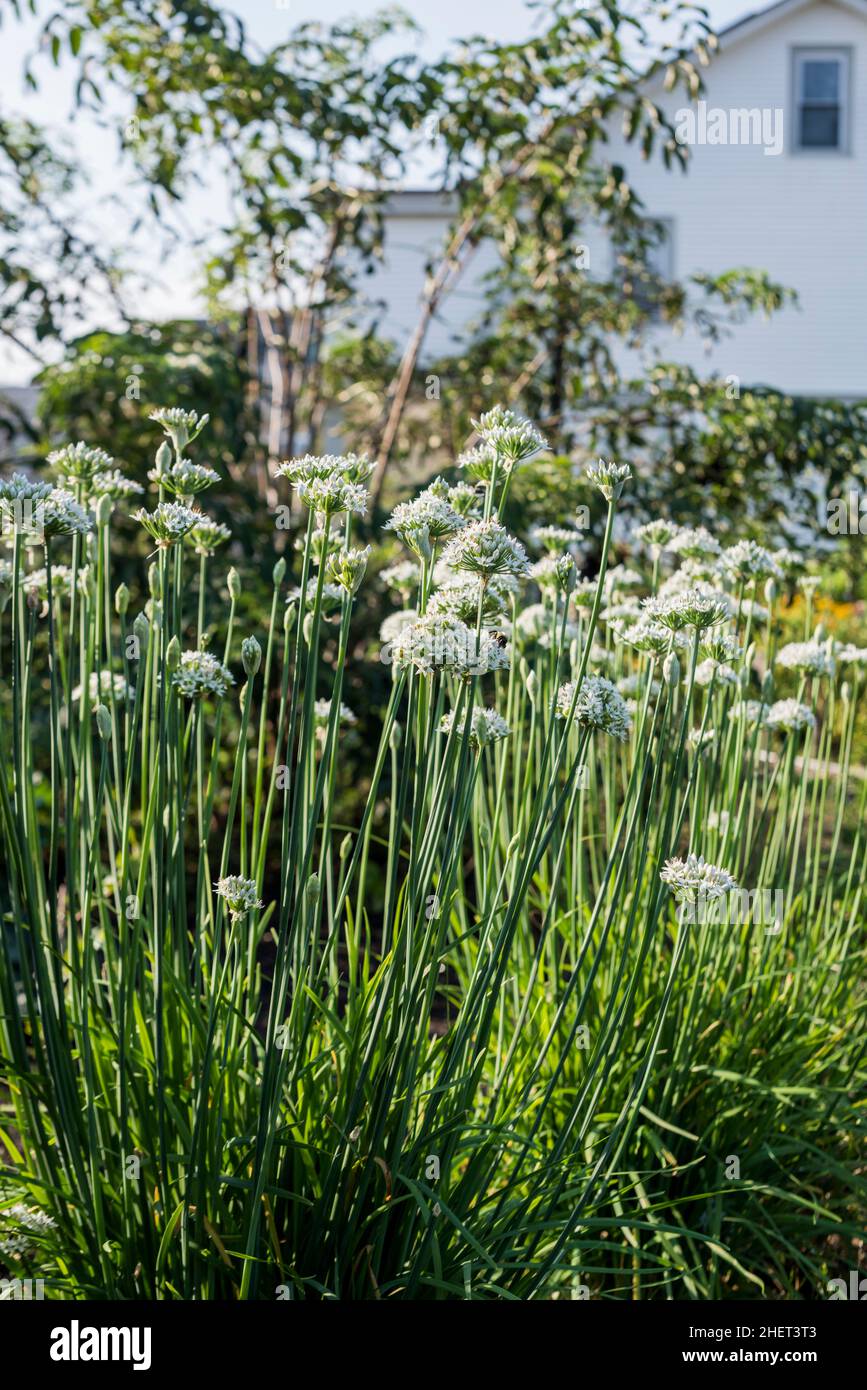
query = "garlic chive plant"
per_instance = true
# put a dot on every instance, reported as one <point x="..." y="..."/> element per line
<point x="465" y="1040"/>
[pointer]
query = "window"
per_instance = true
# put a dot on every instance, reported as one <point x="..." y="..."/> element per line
<point x="821" y="99"/>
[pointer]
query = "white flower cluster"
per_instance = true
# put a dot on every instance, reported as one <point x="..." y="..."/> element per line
<point x="486" y="726"/>
<point x="30" y="1222"/>
<point x="698" y="608"/>
<point x="747" y="562"/>
<point x="434" y="644"/>
<point x="239" y="894"/>
<point x="789" y="717"/>
<point x="184" y="479"/>
<point x="182" y="426"/>
<point x="207" y="535"/>
<point x="609" y="477"/>
<point x="403" y="577"/>
<point x="112" y="483"/>
<point x="103" y="686"/>
<point x="512" y="439"/>
<point x="395" y="623"/>
<point x="461" y="601"/>
<point x="485" y="548"/>
<point x="694" y="543"/>
<point x="424" y="521"/>
<point x="169" y="522"/>
<point x="811" y="658"/>
<point x="694" y="877"/>
<point x="80" y="462"/>
<point x="598" y="705"/>
<point x="62" y="515"/>
<point x="201" y="674"/>
<point x="329" y="484"/>
<point x="322" y="716"/>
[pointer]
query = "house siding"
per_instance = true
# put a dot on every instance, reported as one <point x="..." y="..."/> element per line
<point x="800" y="216"/>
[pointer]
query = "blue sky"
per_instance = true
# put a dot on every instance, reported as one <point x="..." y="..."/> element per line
<point x="170" y="285"/>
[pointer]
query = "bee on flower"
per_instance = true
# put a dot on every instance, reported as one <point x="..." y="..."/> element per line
<point x="434" y="645"/>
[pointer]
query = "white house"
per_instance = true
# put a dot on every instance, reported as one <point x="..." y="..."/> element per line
<point x="776" y="180"/>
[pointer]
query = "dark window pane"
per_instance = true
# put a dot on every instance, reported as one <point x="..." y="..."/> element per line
<point x="820" y="79"/>
<point x="820" y="127"/>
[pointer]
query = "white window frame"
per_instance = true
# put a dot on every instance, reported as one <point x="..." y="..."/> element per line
<point x="822" y="53"/>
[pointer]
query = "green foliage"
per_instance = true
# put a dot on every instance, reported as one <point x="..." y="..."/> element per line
<point x="108" y="383"/>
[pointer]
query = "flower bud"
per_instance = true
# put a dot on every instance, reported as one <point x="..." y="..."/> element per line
<point x="312" y="888"/>
<point x="142" y="629"/>
<point x="307" y="627"/>
<point x="154" y="582"/>
<point x="233" y="582"/>
<point x="163" y="459"/>
<point x="770" y="590"/>
<point x="532" y="686"/>
<point x="251" y="655"/>
<point x="345" y="846"/>
<point x="278" y="574"/>
<point x="395" y="738"/>
<point x="671" y="669"/>
<point x="121" y="599"/>
<point x="564" y="567"/>
<point x="513" y="846"/>
<point x="845" y="692"/>
<point x="173" y="655"/>
<point x="103" y="722"/>
<point x="103" y="510"/>
<point x="819" y="633"/>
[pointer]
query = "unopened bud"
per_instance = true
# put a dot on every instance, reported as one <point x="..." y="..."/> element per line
<point x="346" y="846"/>
<point x="251" y="655"/>
<point x="154" y="582"/>
<point x="103" y="510"/>
<point x="121" y="599"/>
<point x="312" y="889"/>
<point x="395" y="737"/>
<point x="142" y="629"/>
<point x="771" y="590"/>
<point x="173" y="655"/>
<point x="278" y="573"/>
<point x="164" y="458"/>
<point x="671" y="669"/>
<point x="103" y="722"/>
<point x="233" y="582"/>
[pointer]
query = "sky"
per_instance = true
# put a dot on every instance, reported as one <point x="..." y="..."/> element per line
<point x="170" y="288"/>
